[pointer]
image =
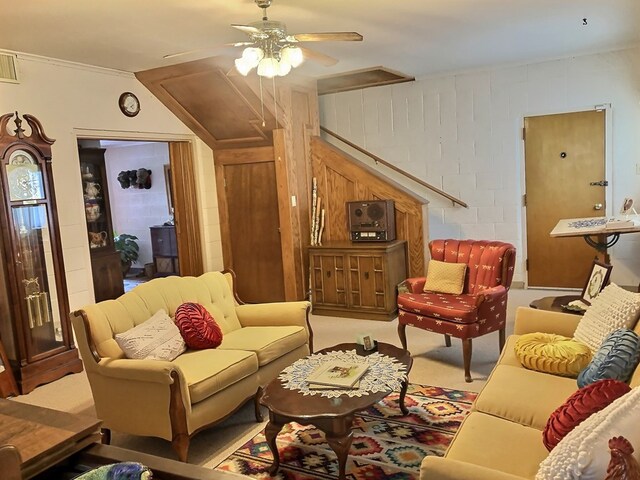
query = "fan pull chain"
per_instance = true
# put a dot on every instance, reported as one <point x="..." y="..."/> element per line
<point x="261" y="102"/>
<point x="275" y="102"/>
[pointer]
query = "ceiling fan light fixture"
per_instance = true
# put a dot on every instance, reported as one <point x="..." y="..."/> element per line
<point x="253" y="55"/>
<point x="284" y="67"/>
<point x="292" y="55"/>
<point x="268" y="67"/>
<point x="243" y="66"/>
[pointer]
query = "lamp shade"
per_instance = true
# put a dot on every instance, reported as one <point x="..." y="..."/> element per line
<point x="253" y="55"/>
<point x="292" y="55"/>
<point x="284" y="68"/>
<point x="243" y="66"/>
<point x="268" y="67"/>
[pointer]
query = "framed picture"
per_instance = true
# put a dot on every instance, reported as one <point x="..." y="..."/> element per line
<point x="167" y="183"/>
<point x="598" y="279"/>
<point x="8" y="386"/>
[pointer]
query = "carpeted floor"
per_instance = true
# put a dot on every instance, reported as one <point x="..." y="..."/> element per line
<point x="385" y="444"/>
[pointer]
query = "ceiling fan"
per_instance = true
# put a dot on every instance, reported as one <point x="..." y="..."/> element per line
<point x="274" y="52"/>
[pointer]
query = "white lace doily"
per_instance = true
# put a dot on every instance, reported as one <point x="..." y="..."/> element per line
<point x="384" y="373"/>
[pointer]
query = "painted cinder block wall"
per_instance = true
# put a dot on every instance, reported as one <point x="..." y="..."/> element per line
<point x="462" y="133"/>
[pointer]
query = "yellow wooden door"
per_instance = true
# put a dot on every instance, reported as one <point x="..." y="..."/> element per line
<point x="564" y="155"/>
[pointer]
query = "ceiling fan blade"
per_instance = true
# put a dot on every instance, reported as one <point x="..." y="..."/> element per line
<point x="328" y="37"/>
<point x="239" y="44"/>
<point x="248" y="29"/>
<point x="180" y="54"/>
<point x="316" y="56"/>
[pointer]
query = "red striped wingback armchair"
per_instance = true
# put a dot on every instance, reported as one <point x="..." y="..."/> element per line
<point x="481" y="307"/>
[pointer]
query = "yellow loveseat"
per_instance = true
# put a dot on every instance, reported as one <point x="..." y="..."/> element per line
<point x="173" y="400"/>
<point x="501" y="439"/>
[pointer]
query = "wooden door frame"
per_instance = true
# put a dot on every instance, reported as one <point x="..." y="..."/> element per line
<point x="608" y="169"/>
<point x="194" y="259"/>
<point x="275" y="154"/>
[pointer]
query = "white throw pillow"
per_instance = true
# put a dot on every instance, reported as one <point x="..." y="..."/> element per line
<point x="584" y="453"/>
<point x="157" y="338"/>
<point x="614" y="308"/>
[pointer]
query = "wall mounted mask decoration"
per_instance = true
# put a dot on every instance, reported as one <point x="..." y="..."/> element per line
<point x="143" y="178"/>
<point x="123" y="179"/>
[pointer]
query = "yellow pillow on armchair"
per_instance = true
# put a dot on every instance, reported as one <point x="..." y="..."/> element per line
<point x="445" y="277"/>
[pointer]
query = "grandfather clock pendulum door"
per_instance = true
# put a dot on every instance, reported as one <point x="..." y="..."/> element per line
<point x="34" y="323"/>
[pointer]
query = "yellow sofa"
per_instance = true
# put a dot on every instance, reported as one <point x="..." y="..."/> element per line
<point x="502" y="437"/>
<point x="173" y="400"/>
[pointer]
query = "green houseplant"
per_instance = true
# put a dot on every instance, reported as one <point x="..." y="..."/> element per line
<point x="128" y="248"/>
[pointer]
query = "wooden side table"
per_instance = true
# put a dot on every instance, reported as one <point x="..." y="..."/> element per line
<point x="554" y="304"/>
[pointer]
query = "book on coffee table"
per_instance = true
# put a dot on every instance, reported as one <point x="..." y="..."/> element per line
<point x="317" y="386"/>
<point x="337" y="374"/>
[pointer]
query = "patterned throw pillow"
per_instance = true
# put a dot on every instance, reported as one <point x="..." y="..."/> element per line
<point x="157" y="338"/>
<point x="579" y="407"/>
<point x="617" y="358"/>
<point x="550" y="353"/>
<point x="197" y="326"/>
<point x="614" y="308"/>
<point x="445" y="277"/>
<point x="584" y="453"/>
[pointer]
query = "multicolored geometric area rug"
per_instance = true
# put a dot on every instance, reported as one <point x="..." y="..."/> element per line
<point x="385" y="444"/>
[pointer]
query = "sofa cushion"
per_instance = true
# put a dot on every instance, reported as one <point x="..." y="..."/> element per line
<point x="445" y="277"/>
<point x="197" y="326"/>
<point x="455" y="308"/>
<point x="212" y="370"/>
<point x="158" y="339"/>
<point x="579" y="407"/>
<point x="498" y="444"/>
<point x="617" y="358"/>
<point x="550" y="353"/>
<point x="584" y="452"/>
<point x="268" y="343"/>
<point x="509" y="392"/>
<point x="614" y="308"/>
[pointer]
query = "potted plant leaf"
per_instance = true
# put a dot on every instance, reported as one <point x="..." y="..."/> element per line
<point x="128" y="248"/>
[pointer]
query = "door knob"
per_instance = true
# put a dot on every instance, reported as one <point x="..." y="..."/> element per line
<point x="597" y="206"/>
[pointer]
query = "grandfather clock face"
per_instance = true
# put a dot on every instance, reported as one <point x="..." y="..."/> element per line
<point x="24" y="177"/>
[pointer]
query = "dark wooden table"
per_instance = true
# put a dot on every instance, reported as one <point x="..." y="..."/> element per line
<point x="554" y="304"/>
<point x="44" y="437"/>
<point x="334" y="416"/>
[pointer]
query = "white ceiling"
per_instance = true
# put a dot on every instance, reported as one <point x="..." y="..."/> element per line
<point x="416" y="37"/>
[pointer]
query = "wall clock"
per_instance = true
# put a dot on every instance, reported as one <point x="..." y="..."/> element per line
<point x="129" y="104"/>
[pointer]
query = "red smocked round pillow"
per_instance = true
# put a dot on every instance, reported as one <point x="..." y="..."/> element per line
<point x="197" y="326"/>
<point x="579" y="407"/>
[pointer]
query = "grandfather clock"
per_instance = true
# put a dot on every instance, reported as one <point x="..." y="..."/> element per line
<point x="34" y="322"/>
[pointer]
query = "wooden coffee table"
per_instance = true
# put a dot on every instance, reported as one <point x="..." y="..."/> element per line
<point x="334" y="416"/>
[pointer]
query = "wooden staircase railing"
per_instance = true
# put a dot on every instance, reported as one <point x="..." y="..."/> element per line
<point x="377" y="159"/>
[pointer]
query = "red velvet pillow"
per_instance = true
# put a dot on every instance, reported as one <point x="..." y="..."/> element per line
<point x="579" y="406"/>
<point x="197" y="326"/>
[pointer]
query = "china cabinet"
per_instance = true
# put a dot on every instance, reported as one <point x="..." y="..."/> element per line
<point x="34" y="323"/>
<point x="105" y="261"/>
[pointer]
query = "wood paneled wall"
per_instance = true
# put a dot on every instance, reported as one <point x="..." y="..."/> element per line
<point x="342" y="178"/>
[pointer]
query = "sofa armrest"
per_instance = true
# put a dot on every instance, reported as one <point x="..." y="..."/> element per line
<point x="276" y="314"/>
<point x="530" y="320"/>
<point x="154" y="371"/>
<point x="440" y="468"/>
<point x="491" y="294"/>
<point x="412" y="285"/>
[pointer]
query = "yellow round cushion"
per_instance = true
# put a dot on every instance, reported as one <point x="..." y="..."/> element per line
<point x="550" y="353"/>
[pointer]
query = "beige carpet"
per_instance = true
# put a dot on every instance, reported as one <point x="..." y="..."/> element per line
<point x="434" y="364"/>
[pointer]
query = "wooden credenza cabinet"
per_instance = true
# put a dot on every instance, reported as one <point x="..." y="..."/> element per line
<point x="357" y="280"/>
<point x="165" y="250"/>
